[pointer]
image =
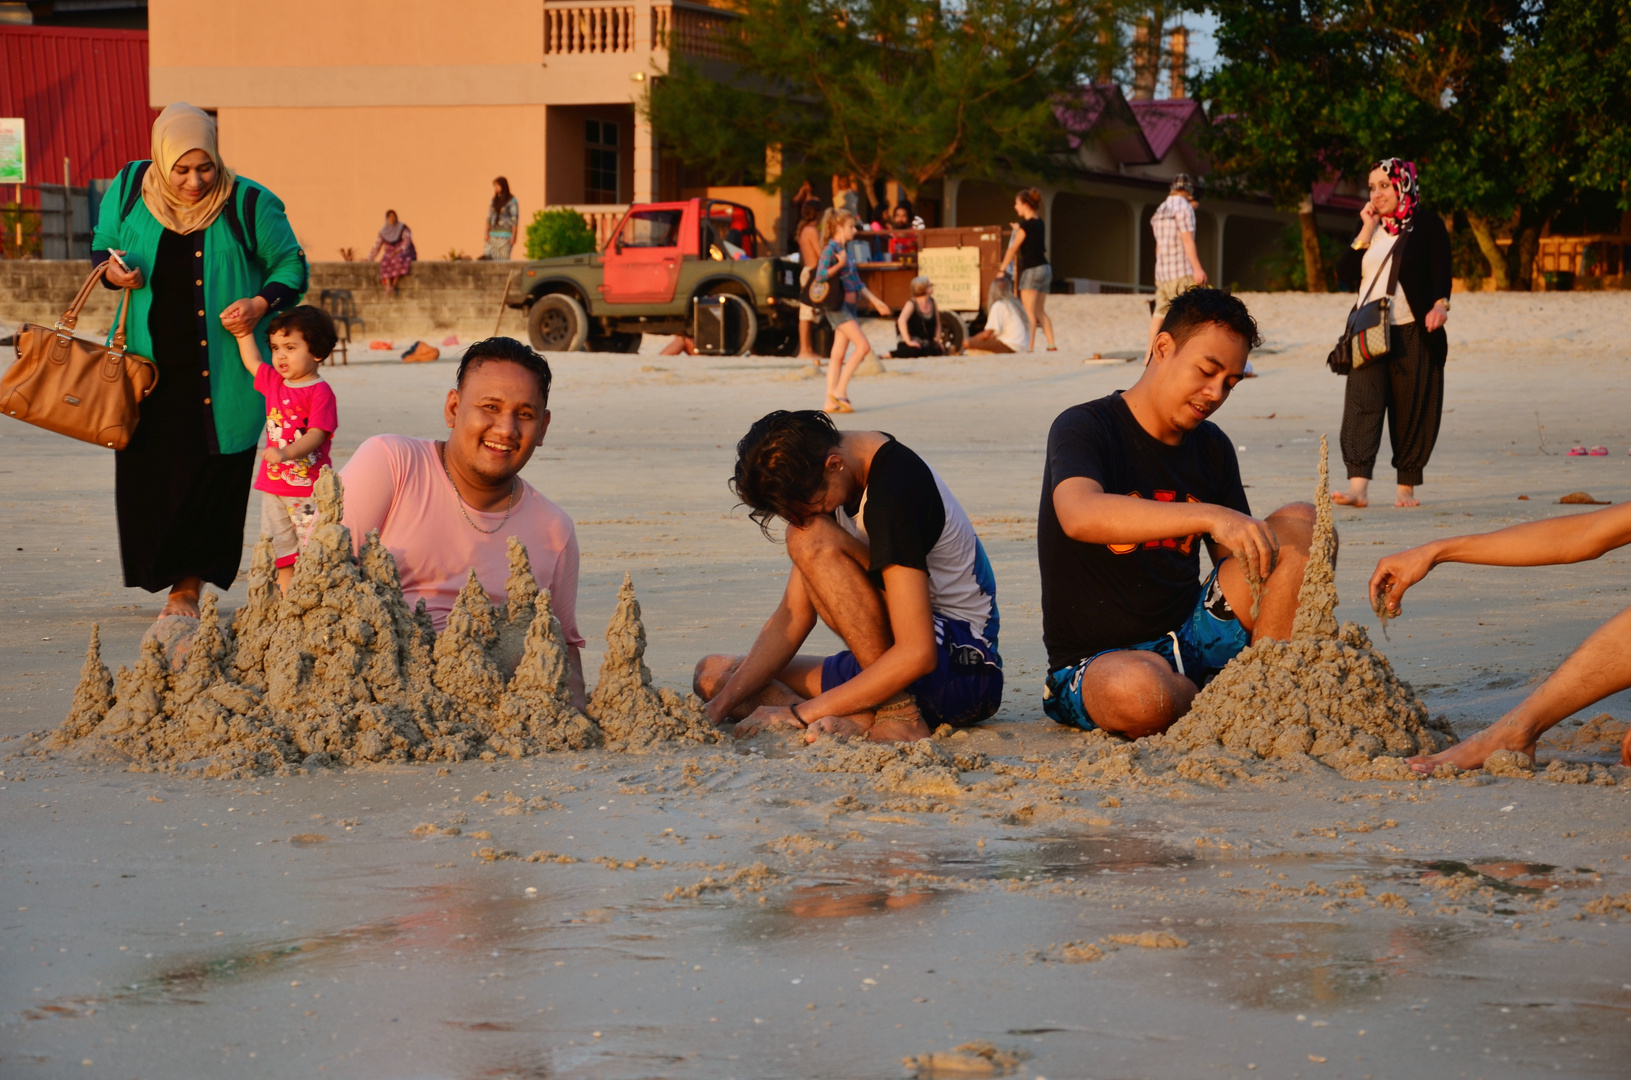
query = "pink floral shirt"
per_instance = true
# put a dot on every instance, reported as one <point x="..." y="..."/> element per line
<point x="291" y="411"/>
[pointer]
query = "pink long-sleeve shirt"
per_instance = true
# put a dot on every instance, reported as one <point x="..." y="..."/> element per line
<point x="396" y="484"/>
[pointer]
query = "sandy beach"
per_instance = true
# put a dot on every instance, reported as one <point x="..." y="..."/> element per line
<point x="750" y="910"/>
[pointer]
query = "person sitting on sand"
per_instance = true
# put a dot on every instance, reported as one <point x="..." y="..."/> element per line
<point x="1131" y="484"/>
<point x="883" y="554"/>
<point x="443" y="508"/>
<point x="1599" y="667"/>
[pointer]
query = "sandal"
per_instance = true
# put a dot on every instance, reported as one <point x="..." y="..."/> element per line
<point x="1597" y="451"/>
<point x="832" y="405"/>
<point x="1577" y="451"/>
<point x="845" y="407"/>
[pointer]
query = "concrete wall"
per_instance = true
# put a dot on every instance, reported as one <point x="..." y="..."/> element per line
<point x="437" y="299"/>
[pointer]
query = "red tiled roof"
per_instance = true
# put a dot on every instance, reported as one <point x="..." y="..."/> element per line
<point x="1164" y="121"/>
<point x="82" y="95"/>
<point x="1102" y="112"/>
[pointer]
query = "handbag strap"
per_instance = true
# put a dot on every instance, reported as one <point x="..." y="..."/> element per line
<point x="70" y="318"/>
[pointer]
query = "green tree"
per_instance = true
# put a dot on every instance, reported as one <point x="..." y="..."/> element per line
<point x="1283" y="101"/>
<point x="560" y="231"/>
<point x="903" y="89"/>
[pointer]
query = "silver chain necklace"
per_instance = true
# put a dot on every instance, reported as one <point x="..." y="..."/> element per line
<point x="515" y="485"/>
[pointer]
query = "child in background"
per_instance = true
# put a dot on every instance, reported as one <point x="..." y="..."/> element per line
<point x="301" y="414"/>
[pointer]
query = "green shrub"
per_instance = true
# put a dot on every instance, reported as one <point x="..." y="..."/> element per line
<point x="561" y="231"/>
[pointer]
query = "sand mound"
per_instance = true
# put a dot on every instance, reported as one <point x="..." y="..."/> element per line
<point x="339" y="671"/>
<point x="1326" y="693"/>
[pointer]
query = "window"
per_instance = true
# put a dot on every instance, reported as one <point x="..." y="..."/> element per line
<point x="652" y="228"/>
<point x="599" y="162"/>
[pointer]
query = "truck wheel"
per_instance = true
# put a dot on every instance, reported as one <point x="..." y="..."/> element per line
<point x="557" y="323"/>
<point x="750" y="325"/>
<point x="954" y="330"/>
<point x="615" y="343"/>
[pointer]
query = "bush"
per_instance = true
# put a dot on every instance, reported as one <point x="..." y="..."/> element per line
<point x="561" y="231"/>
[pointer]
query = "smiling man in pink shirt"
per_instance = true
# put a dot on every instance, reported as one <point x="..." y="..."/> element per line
<point x="442" y="508"/>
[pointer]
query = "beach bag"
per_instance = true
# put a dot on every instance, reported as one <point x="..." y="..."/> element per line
<point x="822" y="295"/>
<point x="87" y="390"/>
<point x="1368" y="337"/>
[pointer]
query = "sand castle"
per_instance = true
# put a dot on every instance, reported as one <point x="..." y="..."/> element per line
<point x="338" y="671"/>
<point x="1326" y="693"/>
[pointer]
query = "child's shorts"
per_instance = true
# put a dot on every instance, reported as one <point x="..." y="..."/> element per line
<point x="964" y="688"/>
<point x="1197" y="650"/>
<point x="288" y="520"/>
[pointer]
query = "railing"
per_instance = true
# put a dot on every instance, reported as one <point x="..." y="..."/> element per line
<point x="694" y="30"/>
<point x="589" y="30"/>
<point x="603" y="218"/>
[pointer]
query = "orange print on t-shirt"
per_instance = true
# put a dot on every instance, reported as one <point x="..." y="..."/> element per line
<point x="1183" y="544"/>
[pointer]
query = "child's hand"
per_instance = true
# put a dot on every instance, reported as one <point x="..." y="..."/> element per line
<point x="273" y="455"/>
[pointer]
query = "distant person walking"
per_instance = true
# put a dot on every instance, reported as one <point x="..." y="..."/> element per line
<point x="1407" y="387"/>
<point x="394" y="248"/>
<point x="1177" y="261"/>
<point x="1028" y="254"/>
<point x="503" y="218"/>
<point x="207" y="254"/>
<point x="808" y="237"/>
<point x="838" y="229"/>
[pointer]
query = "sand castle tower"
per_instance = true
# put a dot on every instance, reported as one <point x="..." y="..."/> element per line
<point x="1325" y="693"/>
<point x="536" y="713"/>
<point x="630" y="712"/>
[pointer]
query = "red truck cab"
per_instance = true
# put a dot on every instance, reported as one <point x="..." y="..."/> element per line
<point x="642" y="260"/>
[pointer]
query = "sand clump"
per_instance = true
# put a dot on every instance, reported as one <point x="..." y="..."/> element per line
<point x="979" y="1058"/>
<point x="338" y="671"/>
<point x="1326" y="693"/>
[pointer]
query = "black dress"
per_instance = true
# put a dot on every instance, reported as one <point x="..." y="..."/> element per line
<point x="924" y="328"/>
<point x="181" y="504"/>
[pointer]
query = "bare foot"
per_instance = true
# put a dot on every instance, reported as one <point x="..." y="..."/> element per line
<point x="898" y="720"/>
<point x="1407" y="497"/>
<point x="183" y="600"/>
<point x="1470" y="753"/>
<point x="1343" y="498"/>
<point x="766" y="717"/>
<point x="837" y="725"/>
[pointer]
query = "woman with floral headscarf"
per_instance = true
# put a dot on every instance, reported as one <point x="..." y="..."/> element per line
<point x="1408" y="387"/>
<point x="206" y="254"/>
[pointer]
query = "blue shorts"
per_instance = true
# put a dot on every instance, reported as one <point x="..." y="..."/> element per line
<point x="964" y="688"/>
<point x="1037" y="278"/>
<point x="1198" y="650"/>
<point x="845" y="314"/>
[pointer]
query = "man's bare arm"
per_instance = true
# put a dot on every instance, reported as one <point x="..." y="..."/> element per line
<point x="1554" y="542"/>
<point x="1194" y="256"/>
<point x="778" y="642"/>
<point x="1088" y="514"/>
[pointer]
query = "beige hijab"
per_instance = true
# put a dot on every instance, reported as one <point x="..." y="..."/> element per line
<point x="179" y="130"/>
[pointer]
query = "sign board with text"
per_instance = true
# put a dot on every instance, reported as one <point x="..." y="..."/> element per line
<point x="12" y="163"/>
<point x="955" y="272"/>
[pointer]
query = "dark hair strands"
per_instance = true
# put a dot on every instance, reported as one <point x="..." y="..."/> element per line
<point x="311" y="323"/>
<point x="509" y="350"/>
<point x="1200" y="307"/>
<point x="781" y="464"/>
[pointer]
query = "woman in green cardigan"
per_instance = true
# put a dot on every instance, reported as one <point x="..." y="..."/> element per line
<point x="206" y="253"/>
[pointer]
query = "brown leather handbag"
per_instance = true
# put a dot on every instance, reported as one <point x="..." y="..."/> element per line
<point x="75" y="387"/>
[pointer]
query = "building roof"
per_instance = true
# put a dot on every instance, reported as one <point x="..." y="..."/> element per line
<point x="1100" y="113"/>
<point x="82" y="95"/>
<point x="1164" y="121"/>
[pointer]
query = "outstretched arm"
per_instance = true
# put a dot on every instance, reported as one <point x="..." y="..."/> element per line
<point x="1570" y="539"/>
<point x="1088" y="514"/>
<point x="778" y="642"/>
<point x="249" y="351"/>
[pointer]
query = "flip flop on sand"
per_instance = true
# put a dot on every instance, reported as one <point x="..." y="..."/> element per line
<point x="1598" y="451"/>
<point x="1577" y="451"/>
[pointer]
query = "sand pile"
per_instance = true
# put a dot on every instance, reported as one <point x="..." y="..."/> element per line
<point x="632" y="714"/>
<point x="1326" y="693"/>
<point x="338" y="670"/>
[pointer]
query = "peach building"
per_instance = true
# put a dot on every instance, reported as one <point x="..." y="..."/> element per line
<point x="346" y="109"/>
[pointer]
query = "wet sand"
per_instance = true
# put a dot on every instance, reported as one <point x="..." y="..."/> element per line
<point x="1331" y="928"/>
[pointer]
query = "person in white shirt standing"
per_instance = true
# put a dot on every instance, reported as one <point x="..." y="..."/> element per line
<point x="1177" y="261"/>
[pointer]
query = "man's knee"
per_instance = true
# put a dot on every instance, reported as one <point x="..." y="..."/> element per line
<point x="1135" y="693"/>
<point x="712" y="673"/>
<point x="1293" y="525"/>
<point x="818" y="540"/>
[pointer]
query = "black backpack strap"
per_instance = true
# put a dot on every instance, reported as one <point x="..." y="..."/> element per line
<point x="134" y="174"/>
<point x="252" y="197"/>
<point x="234" y="222"/>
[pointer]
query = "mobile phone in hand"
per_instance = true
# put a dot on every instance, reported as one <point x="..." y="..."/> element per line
<point x="114" y="255"/>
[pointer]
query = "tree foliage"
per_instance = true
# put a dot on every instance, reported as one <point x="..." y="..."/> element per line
<point x="903" y="89"/>
<point x="1513" y="109"/>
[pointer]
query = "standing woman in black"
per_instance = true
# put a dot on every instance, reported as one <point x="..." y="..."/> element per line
<point x="204" y="253"/>
<point x="1407" y="387"/>
<point x="1028" y="254"/>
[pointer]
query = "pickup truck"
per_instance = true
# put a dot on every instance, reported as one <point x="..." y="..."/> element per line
<point x="660" y="260"/>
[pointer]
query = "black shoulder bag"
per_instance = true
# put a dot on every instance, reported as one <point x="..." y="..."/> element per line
<point x="1368" y="337"/>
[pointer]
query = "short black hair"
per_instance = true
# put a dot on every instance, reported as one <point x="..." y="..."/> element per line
<point x="1202" y="306"/>
<point x="505" y="348"/>
<point x="313" y="324"/>
<point x="781" y="464"/>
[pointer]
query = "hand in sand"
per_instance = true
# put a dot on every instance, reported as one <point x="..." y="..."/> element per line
<point x="766" y="717"/>
<point x="1247" y="538"/>
<point x="1396" y="573"/>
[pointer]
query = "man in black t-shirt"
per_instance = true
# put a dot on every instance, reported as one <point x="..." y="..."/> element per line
<point x="1132" y="486"/>
<point x="884" y="555"/>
